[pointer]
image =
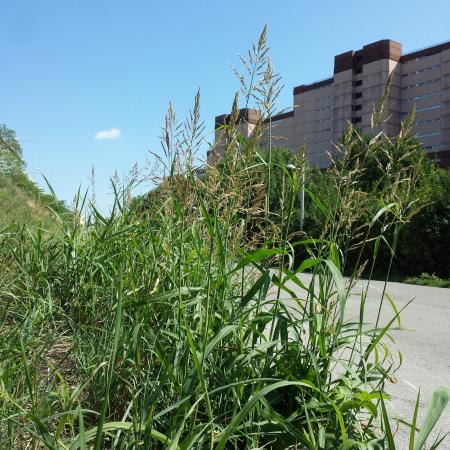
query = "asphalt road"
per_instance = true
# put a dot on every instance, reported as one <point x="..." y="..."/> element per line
<point x="424" y="344"/>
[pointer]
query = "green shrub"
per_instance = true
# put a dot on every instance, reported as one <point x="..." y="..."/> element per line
<point x="390" y="162"/>
<point x="429" y="230"/>
<point x="11" y="161"/>
<point x="425" y="279"/>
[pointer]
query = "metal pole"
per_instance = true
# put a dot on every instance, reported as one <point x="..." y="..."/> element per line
<point x="34" y="162"/>
<point x="302" y="191"/>
<point x="34" y="155"/>
<point x="302" y="199"/>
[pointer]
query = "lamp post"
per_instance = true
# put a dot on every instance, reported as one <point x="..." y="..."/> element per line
<point x="34" y="156"/>
<point x="302" y="192"/>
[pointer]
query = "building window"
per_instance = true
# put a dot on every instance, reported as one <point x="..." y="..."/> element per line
<point x="423" y="83"/>
<point x="357" y="107"/>
<point x="357" y="95"/>
<point x="357" y="83"/>
<point x="420" y="110"/>
<point x="426" y="122"/>
<point x="432" y="133"/>
<point x="426" y="69"/>
<point x="417" y="59"/>
<point x="419" y="97"/>
<point x="324" y="119"/>
<point x="326" y="108"/>
<point x="433" y="147"/>
<point x="357" y="71"/>
<point x="325" y="97"/>
<point x="428" y="108"/>
<point x="356" y="119"/>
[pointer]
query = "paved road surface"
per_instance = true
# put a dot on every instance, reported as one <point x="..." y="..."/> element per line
<point x="425" y="346"/>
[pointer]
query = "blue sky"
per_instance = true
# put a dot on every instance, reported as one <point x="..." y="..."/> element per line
<point x="71" y="69"/>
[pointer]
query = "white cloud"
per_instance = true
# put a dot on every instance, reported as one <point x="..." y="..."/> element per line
<point x="112" y="133"/>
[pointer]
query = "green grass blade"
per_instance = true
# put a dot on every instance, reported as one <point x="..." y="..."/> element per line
<point x="414" y="424"/>
<point x="439" y="401"/>
<point x="387" y="426"/>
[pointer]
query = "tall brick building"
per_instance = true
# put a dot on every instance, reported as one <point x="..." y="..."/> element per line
<point x="321" y="110"/>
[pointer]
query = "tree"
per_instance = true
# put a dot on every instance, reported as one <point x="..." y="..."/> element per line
<point x="11" y="161"/>
<point x="424" y="245"/>
<point x="388" y="163"/>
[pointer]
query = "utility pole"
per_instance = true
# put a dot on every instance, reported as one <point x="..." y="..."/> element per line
<point x="34" y="156"/>
<point x="291" y="167"/>
<point x="302" y="198"/>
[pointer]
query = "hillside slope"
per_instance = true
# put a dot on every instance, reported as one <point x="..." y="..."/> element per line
<point x="22" y="202"/>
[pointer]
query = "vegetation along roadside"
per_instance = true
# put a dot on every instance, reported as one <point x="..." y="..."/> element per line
<point x="151" y="326"/>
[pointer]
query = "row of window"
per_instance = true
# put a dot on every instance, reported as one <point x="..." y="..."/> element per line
<point x="359" y="107"/>
<point x="325" y="97"/>
<point x="357" y="83"/>
<point x="423" y="83"/>
<point x="324" y="119"/>
<point x="428" y="108"/>
<point x="325" y="108"/>
<point x="433" y="147"/>
<point x="431" y="133"/>
<point x="419" y="97"/>
<point x="358" y="119"/>
<point x="419" y="58"/>
<point x="426" y="69"/>
<point x="427" y="122"/>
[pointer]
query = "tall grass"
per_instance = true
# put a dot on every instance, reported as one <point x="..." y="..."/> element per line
<point x="172" y="322"/>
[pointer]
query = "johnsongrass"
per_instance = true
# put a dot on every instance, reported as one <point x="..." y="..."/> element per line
<point x="156" y="329"/>
<point x="154" y="326"/>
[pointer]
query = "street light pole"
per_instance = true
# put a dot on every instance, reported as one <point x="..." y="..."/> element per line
<point x="302" y="199"/>
<point x="302" y="192"/>
<point x="34" y="155"/>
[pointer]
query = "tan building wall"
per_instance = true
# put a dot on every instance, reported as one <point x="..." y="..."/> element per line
<point x="321" y="111"/>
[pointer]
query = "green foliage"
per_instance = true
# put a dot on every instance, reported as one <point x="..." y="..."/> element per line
<point x="158" y="326"/>
<point x="429" y="230"/>
<point x="280" y="189"/>
<point x="382" y="162"/>
<point x="172" y="337"/>
<point x="161" y="326"/>
<point x="418" y="437"/>
<point x="280" y="158"/>
<point x="24" y="203"/>
<point x="11" y="162"/>
<point x="387" y="157"/>
<point x="428" y="221"/>
<point x="425" y="279"/>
